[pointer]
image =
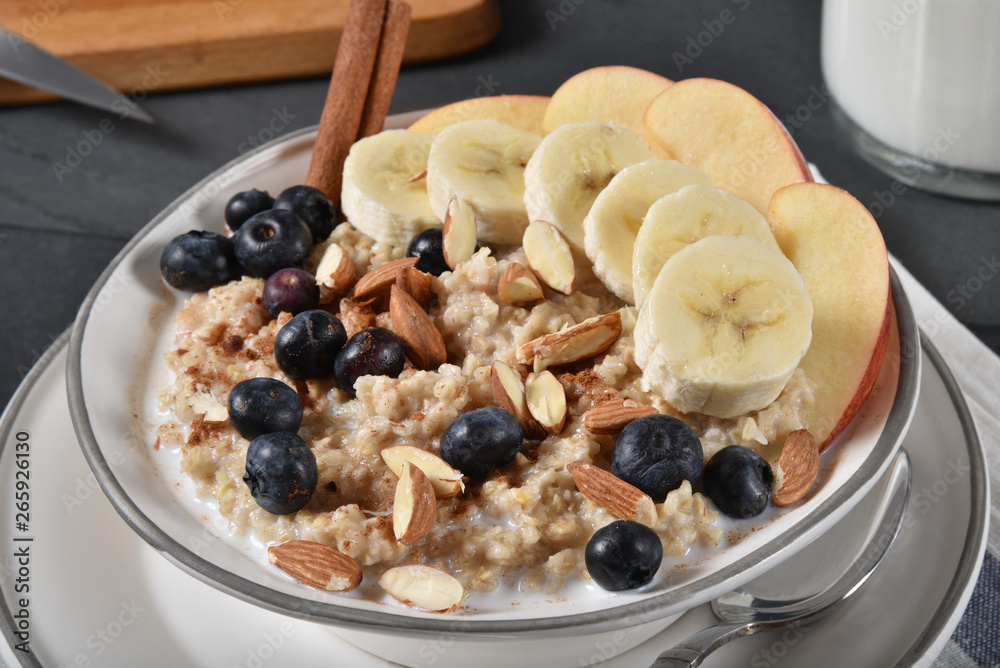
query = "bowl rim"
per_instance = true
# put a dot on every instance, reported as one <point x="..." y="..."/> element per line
<point x="403" y="620"/>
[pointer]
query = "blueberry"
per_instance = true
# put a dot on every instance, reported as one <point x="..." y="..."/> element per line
<point x="480" y="441"/>
<point x="264" y="405"/>
<point x="281" y="472"/>
<point x="312" y="206"/>
<point x="739" y="481"/>
<point x="197" y="261"/>
<point x="245" y="204"/>
<point x="429" y="247"/>
<point x="623" y="555"/>
<point x="370" y="352"/>
<point x="657" y="453"/>
<point x="292" y="290"/>
<point x="307" y="346"/>
<point x="272" y="240"/>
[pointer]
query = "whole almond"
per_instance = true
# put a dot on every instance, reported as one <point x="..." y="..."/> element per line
<point x="417" y="284"/>
<point x="460" y="236"/>
<point x="612" y="493"/>
<point x="319" y="566"/>
<point x="414" y="505"/>
<point x="799" y="464"/>
<point x="508" y="388"/>
<point x="374" y="286"/>
<point x="423" y="587"/>
<point x="518" y="285"/>
<point x="421" y="339"/>
<point x="445" y="480"/>
<point x="611" y="417"/>
<point x="335" y="274"/>
<point x="546" y="399"/>
<point x="586" y="339"/>
<point x="550" y="256"/>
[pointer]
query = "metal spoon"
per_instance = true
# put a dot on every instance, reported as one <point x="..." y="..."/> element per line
<point x="804" y="587"/>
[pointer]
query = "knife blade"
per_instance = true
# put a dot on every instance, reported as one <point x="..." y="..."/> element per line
<point x="27" y="64"/>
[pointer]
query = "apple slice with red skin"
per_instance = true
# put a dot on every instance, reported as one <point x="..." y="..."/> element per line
<point x="728" y="133"/>
<point x="611" y="94"/>
<point x="521" y="111"/>
<point x="837" y="247"/>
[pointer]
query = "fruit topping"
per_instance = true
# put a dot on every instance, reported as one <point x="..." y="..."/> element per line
<point x="482" y="440"/>
<point x="292" y="290"/>
<point x="738" y="481"/>
<point x="197" y="261"/>
<point x="272" y="240"/>
<point x="281" y="472"/>
<point x="264" y="405"/>
<point x="308" y="344"/>
<point x="312" y="206"/>
<point x="428" y="246"/>
<point x="623" y="555"/>
<point x="370" y="352"/>
<point x="243" y="205"/>
<point x="657" y="453"/>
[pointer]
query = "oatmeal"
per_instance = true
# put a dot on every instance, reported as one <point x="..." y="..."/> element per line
<point x="525" y="524"/>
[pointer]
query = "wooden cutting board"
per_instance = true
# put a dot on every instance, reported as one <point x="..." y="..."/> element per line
<point x="141" y="47"/>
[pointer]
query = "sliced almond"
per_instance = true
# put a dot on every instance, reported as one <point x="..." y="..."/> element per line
<point x="508" y="388"/>
<point x="335" y="274"/>
<point x="546" y="399"/>
<point x="586" y="339"/>
<point x="611" y="417"/>
<point x="460" y="234"/>
<point x="612" y="493"/>
<point x="421" y="339"/>
<point x="417" y="284"/>
<point x="799" y="464"/>
<point x="550" y="256"/>
<point x="414" y="506"/>
<point x="417" y="177"/>
<point x="319" y="566"/>
<point x="445" y="480"/>
<point x="355" y="316"/>
<point x="422" y="587"/>
<point x="374" y="286"/>
<point x="518" y="285"/>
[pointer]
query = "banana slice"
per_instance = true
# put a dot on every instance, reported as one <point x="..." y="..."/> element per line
<point x="482" y="163"/>
<point x="681" y="218"/>
<point x="725" y="325"/>
<point x="570" y="168"/>
<point x="610" y="228"/>
<point x="383" y="194"/>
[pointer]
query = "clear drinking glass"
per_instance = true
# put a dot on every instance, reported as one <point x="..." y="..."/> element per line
<point x="916" y="88"/>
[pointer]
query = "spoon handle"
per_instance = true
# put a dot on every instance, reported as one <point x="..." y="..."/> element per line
<point x="695" y="648"/>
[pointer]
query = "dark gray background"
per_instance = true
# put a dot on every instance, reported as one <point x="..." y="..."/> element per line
<point x="57" y="236"/>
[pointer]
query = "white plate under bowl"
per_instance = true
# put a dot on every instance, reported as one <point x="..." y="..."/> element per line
<point x="115" y="364"/>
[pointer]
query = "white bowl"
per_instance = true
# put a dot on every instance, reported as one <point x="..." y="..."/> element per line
<point x="115" y="365"/>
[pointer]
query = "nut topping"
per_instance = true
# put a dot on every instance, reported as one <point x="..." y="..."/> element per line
<point x="414" y="507"/>
<point x="316" y="565"/>
<point x="422" y="587"/>
<point x="586" y="339"/>
<point x="799" y="464"/>
<point x="612" y="493"/>
<point x="518" y="286"/>
<point x="422" y="341"/>
<point x="611" y="417"/>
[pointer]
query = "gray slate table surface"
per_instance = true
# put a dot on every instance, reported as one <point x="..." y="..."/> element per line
<point x="60" y="227"/>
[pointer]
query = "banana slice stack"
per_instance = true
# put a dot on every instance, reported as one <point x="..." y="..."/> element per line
<point x="724" y="317"/>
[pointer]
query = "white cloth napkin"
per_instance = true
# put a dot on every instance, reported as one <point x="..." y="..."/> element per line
<point x="977" y="370"/>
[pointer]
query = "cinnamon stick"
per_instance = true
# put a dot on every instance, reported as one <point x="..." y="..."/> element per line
<point x="387" y="64"/>
<point x="340" y="121"/>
